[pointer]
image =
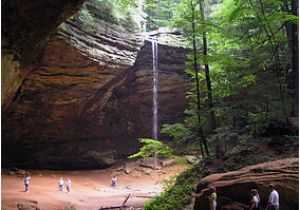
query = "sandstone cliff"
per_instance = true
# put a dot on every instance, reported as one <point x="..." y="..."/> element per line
<point x="233" y="188"/>
<point x="88" y="95"/>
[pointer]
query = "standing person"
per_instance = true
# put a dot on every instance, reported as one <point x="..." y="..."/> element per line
<point x="273" y="201"/>
<point x="255" y="199"/>
<point x="60" y="184"/>
<point x="26" y="182"/>
<point x="212" y="198"/>
<point x="68" y="185"/>
<point x="113" y="181"/>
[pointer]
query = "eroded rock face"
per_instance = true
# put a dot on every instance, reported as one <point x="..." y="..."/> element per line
<point x="233" y="188"/>
<point x="85" y="115"/>
<point x="88" y="97"/>
<point x="27" y="23"/>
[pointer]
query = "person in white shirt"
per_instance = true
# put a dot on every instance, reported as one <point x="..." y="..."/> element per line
<point x="26" y="182"/>
<point x="273" y="201"/>
<point x="60" y="184"/>
<point x="114" y="181"/>
<point x="255" y="200"/>
<point x="68" y="185"/>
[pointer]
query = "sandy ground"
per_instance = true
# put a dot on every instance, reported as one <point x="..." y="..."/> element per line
<point x="90" y="189"/>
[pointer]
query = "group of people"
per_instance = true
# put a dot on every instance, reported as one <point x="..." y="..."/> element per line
<point x="60" y="184"/>
<point x="273" y="200"/>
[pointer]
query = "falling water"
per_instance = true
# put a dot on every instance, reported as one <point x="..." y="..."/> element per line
<point x="155" y="88"/>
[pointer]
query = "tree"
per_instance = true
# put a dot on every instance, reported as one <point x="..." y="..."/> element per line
<point x="207" y="76"/>
<point x="159" y="12"/>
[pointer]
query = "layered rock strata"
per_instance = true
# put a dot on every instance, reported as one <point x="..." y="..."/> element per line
<point x="88" y="96"/>
<point x="233" y="188"/>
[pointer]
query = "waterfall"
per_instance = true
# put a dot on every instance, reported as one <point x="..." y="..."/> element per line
<point x="155" y="88"/>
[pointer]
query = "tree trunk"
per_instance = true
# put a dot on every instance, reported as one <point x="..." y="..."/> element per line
<point x="199" y="129"/>
<point x="292" y="34"/>
<point x="207" y="76"/>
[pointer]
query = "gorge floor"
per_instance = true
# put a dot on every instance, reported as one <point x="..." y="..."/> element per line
<point x="90" y="189"/>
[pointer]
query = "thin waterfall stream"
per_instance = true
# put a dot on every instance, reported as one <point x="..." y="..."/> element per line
<point x="155" y="94"/>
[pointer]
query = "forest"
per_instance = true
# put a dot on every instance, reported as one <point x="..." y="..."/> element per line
<point x="244" y="68"/>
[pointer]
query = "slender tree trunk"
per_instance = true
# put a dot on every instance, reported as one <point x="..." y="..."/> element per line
<point x="295" y="57"/>
<point x="196" y="69"/>
<point x="207" y="76"/>
<point x="292" y="34"/>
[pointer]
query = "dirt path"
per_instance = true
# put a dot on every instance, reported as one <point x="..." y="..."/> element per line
<point x="90" y="189"/>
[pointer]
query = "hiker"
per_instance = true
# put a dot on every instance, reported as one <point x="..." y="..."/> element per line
<point x="212" y="198"/>
<point x="211" y="194"/>
<point x="26" y="182"/>
<point x="255" y="199"/>
<point x="273" y="201"/>
<point x="68" y="185"/>
<point x="113" y="181"/>
<point x="60" y="184"/>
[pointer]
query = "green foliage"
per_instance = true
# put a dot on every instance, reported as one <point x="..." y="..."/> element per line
<point x="122" y="12"/>
<point x="244" y="155"/>
<point x="243" y="58"/>
<point x="85" y="15"/>
<point x="257" y="122"/>
<point x="176" y="196"/>
<point x="177" y="131"/>
<point x="181" y="161"/>
<point x="152" y="147"/>
<point x="70" y="207"/>
<point x="159" y="13"/>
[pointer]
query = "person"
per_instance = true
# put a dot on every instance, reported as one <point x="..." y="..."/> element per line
<point x="255" y="200"/>
<point x="273" y="201"/>
<point x="68" y="185"/>
<point x="26" y="182"/>
<point x="60" y="184"/>
<point x="212" y="198"/>
<point x="113" y="181"/>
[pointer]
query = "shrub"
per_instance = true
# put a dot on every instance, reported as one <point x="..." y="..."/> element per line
<point x="152" y="147"/>
<point x="176" y="196"/>
<point x="70" y="207"/>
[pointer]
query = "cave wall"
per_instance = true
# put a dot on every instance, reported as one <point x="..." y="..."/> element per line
<point x="26" y="26"/>
<point x="87" y="96"/>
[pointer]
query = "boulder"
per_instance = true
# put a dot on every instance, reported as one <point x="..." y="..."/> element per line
<point x="167" y="162"/>
<point x="192" y="159"/>
<point x="11" y="173"/>
<point x="21" y="173"/>
<point x="147" y="171"/>
<point x="127" y="169"/>
<point x="233" y="188"/>
<point x="28" y="205"/>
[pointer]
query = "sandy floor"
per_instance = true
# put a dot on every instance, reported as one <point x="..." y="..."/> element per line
<point x="90" y="189"/>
